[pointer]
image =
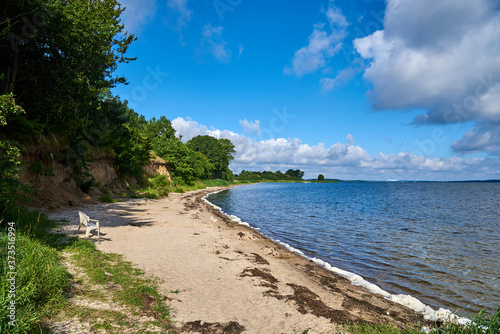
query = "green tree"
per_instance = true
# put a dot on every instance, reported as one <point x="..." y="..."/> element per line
<point x="220" y="152"/>
<point x="159" y="128"/>
<point x="9" y="154"/>
<point x="58" y="57"/>
<point x="176" y="154"/>
<point x="202" y="167"/>
<point x="184" y="163"/>
<point x="321" y="177"/>
<point x="295" y="173"/>
<point x="121" y="129"/>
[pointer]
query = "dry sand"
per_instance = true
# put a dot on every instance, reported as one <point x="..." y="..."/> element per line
<point x="223" y="277"/>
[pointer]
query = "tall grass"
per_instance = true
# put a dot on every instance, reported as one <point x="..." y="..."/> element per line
<point x="39" y="281"/>
<point x="483" y="323"/>
<point x="107" y="199"/>
<point x="217" y="183"/>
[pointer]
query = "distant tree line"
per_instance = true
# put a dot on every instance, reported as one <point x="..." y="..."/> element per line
<point x="291" y="174"/>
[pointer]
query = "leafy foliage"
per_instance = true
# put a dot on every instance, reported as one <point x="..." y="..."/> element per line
<point x="53" y="49"/>
<point x="185" y="164"/>
<point x="9" y="184"/>
<point x="290" y="175"/>
<point x="9" y="153"/>
<point x="159" y="186"/>
<point x="177" y="156"/>
<point x="121" y="130"/>
<point x="295" y="173"/>
<point x="220" y="152"/>
<point x="59" y="58"/>
<point x="160" y="129"/>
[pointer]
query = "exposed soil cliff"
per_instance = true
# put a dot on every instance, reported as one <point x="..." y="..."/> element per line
<point x="54" y="183"/>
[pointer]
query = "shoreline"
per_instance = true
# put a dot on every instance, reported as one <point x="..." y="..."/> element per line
<point x="430" y="314"/>
<point x="223" y="271"/>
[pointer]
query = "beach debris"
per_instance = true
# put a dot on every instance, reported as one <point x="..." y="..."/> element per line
<point x="256" y="272"/>
<point x="259" y="259"/>
<point x="206" y="327"/>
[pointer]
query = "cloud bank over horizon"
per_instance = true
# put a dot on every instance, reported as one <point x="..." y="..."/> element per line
<point x="341" y="160"/>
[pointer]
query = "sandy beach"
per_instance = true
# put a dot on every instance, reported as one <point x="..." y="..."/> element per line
<point x="223" y="277"/>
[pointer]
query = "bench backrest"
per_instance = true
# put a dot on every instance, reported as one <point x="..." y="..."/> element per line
<point x="83" y="218"/>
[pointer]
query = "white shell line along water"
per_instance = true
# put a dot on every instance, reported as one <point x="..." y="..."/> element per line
<point x="405" y="300"/>
<point x="433" y="247"/>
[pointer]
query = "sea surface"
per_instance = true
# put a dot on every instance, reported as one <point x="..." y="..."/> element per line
<point x="438" y="242"/>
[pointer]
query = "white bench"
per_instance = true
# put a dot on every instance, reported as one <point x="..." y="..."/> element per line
<point x="90" y="224"/>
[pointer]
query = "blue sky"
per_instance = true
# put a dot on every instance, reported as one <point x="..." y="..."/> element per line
<point x="365" y="89"/>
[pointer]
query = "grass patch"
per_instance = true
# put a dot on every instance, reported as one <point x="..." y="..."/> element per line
<point x="159" y="186"/>
<point x="105" y="321"/>
<point x="184" y="188"/>
<point x="134" y="289"/>
<point x="39" y="280"/>
<point x="217" y="183"/>
<point x="483" y="323"/>
<point x="371" y="329"/>
<point x="42" y="283"/>
<point x="107" y="199"/>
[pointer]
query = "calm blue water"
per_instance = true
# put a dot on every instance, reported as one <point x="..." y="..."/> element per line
<point x="439" y="242"/>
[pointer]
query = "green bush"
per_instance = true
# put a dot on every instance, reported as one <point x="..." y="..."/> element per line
<point x="107" y="199"/>
<point x="157" y="186"/>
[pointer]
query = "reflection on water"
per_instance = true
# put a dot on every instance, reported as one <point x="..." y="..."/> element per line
<point x="439" y="242"/>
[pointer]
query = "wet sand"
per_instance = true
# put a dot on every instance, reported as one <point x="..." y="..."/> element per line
<point x="222" y="277"/>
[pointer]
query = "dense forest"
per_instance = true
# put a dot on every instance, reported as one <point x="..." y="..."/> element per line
<point x="57" y="70"/>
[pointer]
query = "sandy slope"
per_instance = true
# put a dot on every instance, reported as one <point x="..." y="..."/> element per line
<point x="227" y="278"/>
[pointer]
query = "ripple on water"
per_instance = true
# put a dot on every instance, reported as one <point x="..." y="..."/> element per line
<point x="439" y="242"/>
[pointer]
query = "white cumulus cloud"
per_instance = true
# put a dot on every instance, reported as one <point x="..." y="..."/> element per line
<point x="483" y="137"/>
<point x="324" y="42"/>
<point x="442" y="57"/>
<point x="250" y="127"/>
<point x="342" y="160"/>
<point x="434" y="55"/>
